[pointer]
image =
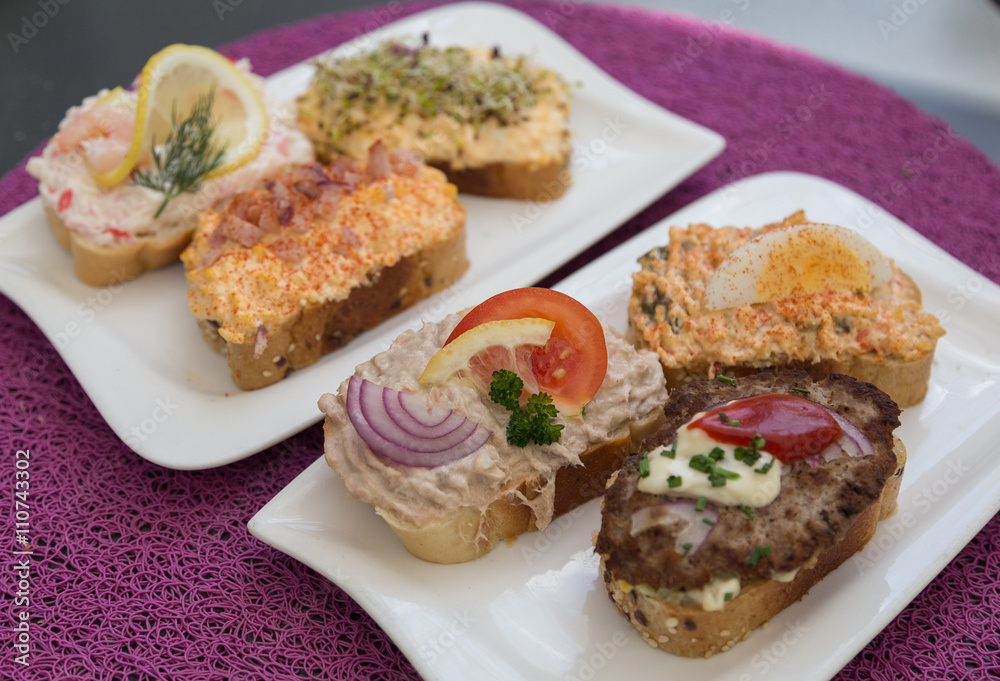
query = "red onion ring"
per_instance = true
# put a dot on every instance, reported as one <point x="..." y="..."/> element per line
<point x="682" y="515"/>
<point x="366" y="408"/>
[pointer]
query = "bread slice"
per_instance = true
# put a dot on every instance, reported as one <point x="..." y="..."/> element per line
<point x="496" y="125"/>
<point x="459" y="510"/>
<point x="358" y="248"/>
<point x="97" y="265"/>
<point x="116" y="233"/>
<point x="811" y="544"/>
<point x="469" y="533"/>
<point x="821" y="334"/>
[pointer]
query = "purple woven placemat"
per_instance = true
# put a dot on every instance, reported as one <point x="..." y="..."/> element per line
<point x="143" y="573"/>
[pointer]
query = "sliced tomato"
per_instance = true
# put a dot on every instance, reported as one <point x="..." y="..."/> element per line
<point x="572" y="365"/>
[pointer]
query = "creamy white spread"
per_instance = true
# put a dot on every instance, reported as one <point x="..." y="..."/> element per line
<point x="755" y="487"/>
<point x="106" y="216"/>
<point x="633" y="389"/>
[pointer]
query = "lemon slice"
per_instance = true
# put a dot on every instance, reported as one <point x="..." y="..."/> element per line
<point x="171" y="83"/>
<point x="458" y="358"/>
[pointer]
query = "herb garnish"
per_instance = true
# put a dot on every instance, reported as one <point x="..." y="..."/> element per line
<point x="728" y="597"/>
<point x="670" y="453"/>
<point x="758" y="553"/>
<point x="766" y="467"/>
<point x="644" y="466"/>
<point x="726" y="379"/>
<point x="531" y="423"/>
<point x="700" y="504"/>
<point x="728" y="421"/>
<point x="708" y="521"/>
<point x="675" y="481"/>
<point x="746" y="511"/>
<point x="804" y="391"/>
<point x="186" y="156"/>
<point x="687" y="550"/>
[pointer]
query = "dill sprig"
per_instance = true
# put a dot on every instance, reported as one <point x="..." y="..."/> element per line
<point x="186" y="156"/>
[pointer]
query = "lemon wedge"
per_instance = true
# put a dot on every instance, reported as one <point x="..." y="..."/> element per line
<point x="171" y="83"/>
<point x="487" y="347"/>
<point x="797" y="260"/>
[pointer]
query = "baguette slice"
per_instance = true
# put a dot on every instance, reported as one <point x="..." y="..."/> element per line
<point x="822" y="333"/>
<point x="496" y="125"/>
<point x="116" y="233"/>
<point x="358" y="244"/>
<point x="460" y="510"/>
<point x="684" y="628"/>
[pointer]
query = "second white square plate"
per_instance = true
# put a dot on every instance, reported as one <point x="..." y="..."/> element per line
<point x="537" y="610"/>
<point x="138" y="352"/>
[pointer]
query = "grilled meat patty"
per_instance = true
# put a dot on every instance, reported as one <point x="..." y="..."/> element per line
<point x="814" y="509"/>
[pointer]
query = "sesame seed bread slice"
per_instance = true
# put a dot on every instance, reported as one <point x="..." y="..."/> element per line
<point x="693" y="632"/>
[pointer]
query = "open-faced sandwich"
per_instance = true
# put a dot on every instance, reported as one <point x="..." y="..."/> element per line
<point x="485" y="425"/>
<point x="496" y="124"/>
<point x="794" y="294"/>
<point x="284" y="273"/>
<point x="751" y="493"/>
<point x="124" y="179"/>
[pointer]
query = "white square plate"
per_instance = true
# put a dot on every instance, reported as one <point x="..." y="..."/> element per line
<point x="537" y="609"/>
<point x="138" y="352"/>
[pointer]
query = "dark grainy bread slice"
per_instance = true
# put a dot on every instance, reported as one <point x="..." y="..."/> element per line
<point x="319" y="329"/>
<point x="823" y="515"/>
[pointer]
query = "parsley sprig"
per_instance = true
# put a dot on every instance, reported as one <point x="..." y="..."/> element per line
<point x="186" y="156"/>
<point x="531" y="423"/>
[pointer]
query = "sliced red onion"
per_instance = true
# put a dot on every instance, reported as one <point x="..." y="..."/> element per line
<point x="366" y="407"/>
<point x="688" y="522"/>
<point x="426" y="427"/>
<point x="379" y="166"/>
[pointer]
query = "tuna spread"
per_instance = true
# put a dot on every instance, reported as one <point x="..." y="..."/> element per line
<point x="633" y="388"/>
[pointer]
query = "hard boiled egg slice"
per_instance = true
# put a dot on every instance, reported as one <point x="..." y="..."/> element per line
<point x="794" y="261"/>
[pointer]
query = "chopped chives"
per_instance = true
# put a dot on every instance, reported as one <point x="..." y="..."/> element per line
<point x="670" y="453"/>
<point x="674" y="481"/>
<point x="766" y="467"/>
<point x="746" y="511"/>
<point x="643" y="467"/>
<point x="687" y="550"/>
<point x="700" y="504"/>
<point x="728" y="597"/>
<point x="758" y="553"/>
<point x="726" y="379"/>
<point x="801" y="390"/>
<point x="716" y="453"/>
<point x="708" y="521"/>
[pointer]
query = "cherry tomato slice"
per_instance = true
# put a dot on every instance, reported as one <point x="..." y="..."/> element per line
<point x="572" y="365"/>
<point x="793" y="428"/>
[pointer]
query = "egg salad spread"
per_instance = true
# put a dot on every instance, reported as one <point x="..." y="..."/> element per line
<point x="464" y="107"/>
<point x="668" y="313"/>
